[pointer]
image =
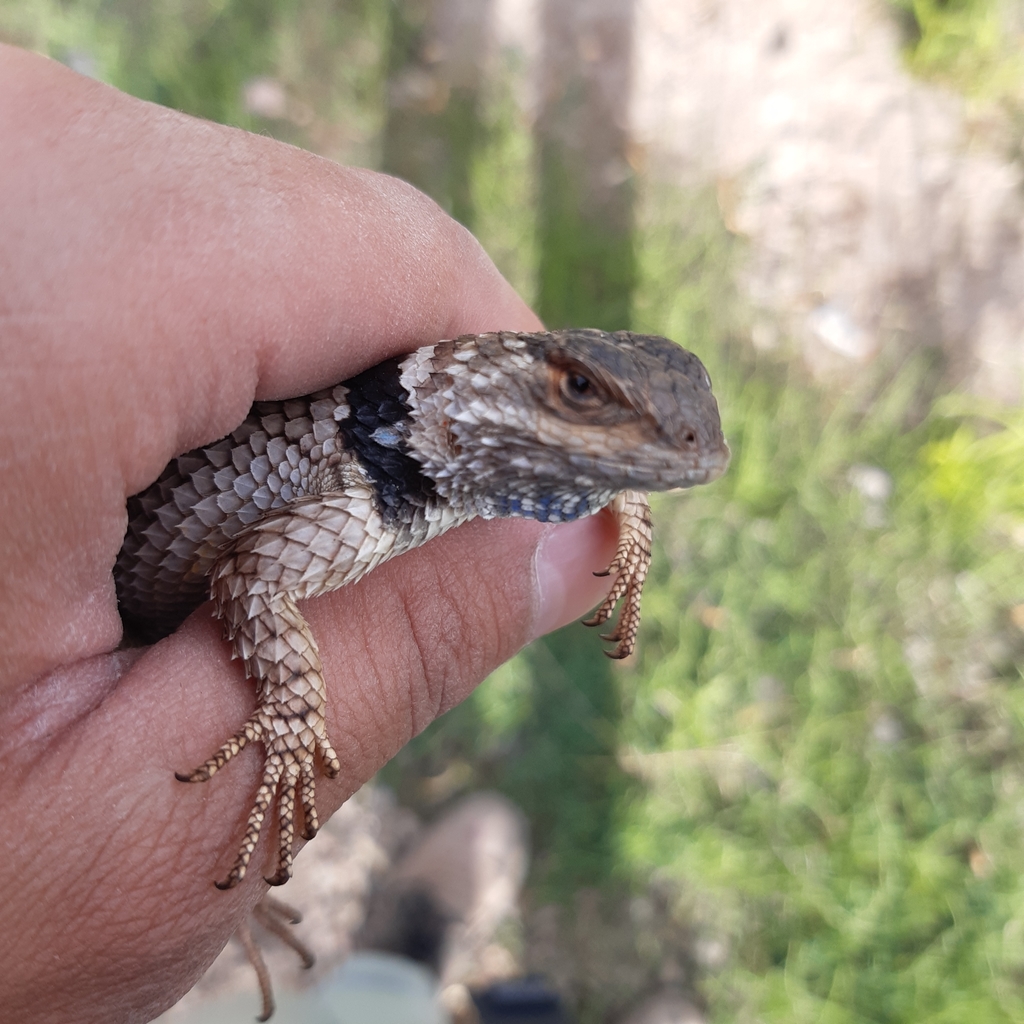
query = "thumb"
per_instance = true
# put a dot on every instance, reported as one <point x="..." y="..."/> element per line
<point x="399" y="648"/>
<point x="416" y="636"/>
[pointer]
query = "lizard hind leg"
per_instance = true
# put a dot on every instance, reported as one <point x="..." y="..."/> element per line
<point x="630" y="565"/>
<point x="277" y="918"/>
<point x="291" y="773"/>
<point x="287" y="774"/>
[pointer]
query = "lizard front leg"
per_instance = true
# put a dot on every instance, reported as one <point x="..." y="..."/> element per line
<point x="275" y="642"/>
<point x="630" y="565"/>
<point x="312" y="546"/>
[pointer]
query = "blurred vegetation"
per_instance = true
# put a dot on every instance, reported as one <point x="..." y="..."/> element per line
<point x="817" y="752"/>
<point x="827" y="710"/>
<point x="977" y="46"/>
<point x="308" y="73"/>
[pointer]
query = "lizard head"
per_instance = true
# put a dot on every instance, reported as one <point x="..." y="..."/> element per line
<point x="551" y="425"/>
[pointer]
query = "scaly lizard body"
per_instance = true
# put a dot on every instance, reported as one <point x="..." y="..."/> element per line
<point x="310" y="494"/>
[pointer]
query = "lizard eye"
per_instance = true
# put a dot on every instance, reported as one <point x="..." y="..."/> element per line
<point x="577" y="384"/>
<point x="580" y="391"/>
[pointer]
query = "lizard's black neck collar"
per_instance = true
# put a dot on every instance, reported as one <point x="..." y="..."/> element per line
<point x="375" y="431"/>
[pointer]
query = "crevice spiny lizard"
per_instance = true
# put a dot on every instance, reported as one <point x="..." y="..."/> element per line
<point x="310" y="494"/>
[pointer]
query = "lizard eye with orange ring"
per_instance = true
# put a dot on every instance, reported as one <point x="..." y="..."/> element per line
<point x="580" y="390"/>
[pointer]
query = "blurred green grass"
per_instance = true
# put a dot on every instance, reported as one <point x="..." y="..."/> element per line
<point x="827" y="711"/>
<point x="327" y="57"/>
<point x="973" y="45"/>
<point x="817" y="750"/>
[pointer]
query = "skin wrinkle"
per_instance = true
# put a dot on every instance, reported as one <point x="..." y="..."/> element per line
<point x="43" y="713"/>
<point x="453" y="644"/>
<point x="346" y="704"/>
<point x="461" y="642"/>
<point x="420" y="686"/>
<point x="425" y="661"/>
<point x="483" y="652"/>
<point x="369" y="707"/>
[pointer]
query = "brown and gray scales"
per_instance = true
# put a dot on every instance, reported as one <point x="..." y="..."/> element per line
<point x="308" y="495"/>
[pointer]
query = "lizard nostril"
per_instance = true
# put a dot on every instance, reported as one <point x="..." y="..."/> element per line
<point x="690" y="437"/>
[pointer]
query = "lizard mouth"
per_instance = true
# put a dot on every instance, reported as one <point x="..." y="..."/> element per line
<point x="710" y="468"/>
<point x="717" y="464"/>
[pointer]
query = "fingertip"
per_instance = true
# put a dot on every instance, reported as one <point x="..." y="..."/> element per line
<point x="569" y="560"/>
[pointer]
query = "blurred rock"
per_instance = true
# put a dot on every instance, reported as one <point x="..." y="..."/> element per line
<point x="82" y="61"/>
<point x="666" y="1008"/>
<point x="887" y="729"/>
<point x="875" y="486"/>
<point x="834" y="328"/>
<point x="468" y="868"/>
<point x="876" y="212"/>
<point x="872" y="483"/>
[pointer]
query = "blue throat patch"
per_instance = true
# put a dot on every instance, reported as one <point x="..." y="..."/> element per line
<point x="545" y="508"/>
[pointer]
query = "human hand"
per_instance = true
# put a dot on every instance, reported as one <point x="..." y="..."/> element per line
<point x="159" y="273"/>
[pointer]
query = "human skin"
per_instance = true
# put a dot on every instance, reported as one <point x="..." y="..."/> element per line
<point x="159" y="273"/>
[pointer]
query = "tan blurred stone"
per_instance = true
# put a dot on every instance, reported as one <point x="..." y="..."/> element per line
<point x="665" y="1008"/>
<point x="471" y="862"/>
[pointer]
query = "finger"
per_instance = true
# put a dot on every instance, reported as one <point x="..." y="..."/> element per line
<point x="160" y="273"/>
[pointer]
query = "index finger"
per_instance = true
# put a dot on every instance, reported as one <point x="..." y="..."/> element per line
<point x="161" y="273"/>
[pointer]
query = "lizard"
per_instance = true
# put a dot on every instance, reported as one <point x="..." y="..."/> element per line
<point x="309" y="494"/>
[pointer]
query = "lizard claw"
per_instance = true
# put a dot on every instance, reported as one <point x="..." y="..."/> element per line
<point x="288" y="775"/>
<point x="630" y="565"/>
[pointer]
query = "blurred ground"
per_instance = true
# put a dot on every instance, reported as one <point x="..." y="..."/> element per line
<point x="332" y="885"/>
